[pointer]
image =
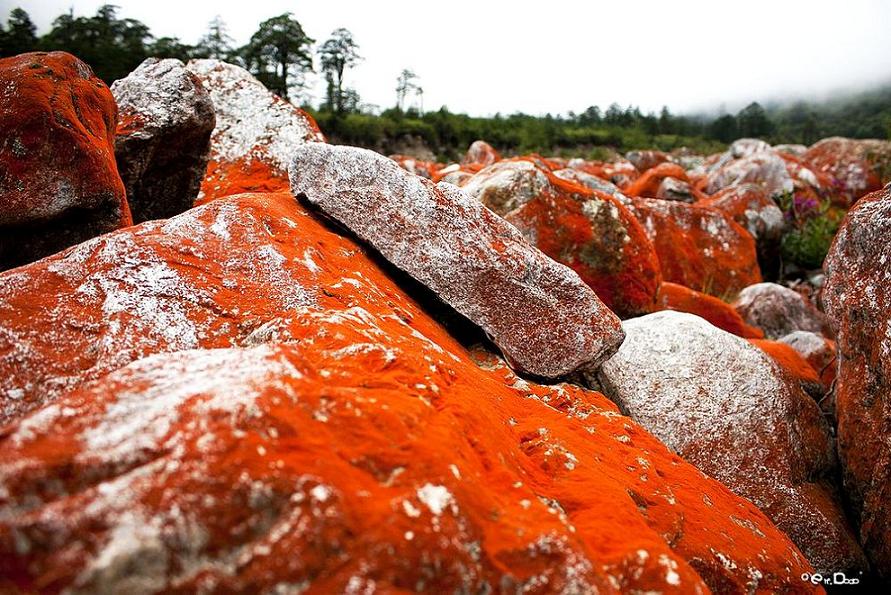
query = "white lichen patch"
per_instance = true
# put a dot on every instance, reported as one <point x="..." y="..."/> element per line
<point x="435" y="497"/>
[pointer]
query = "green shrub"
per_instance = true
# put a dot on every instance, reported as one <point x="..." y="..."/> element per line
<point x="806" y="245"/>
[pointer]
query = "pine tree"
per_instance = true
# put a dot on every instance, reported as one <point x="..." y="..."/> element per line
<point x="279" y="53"/>
<point x="338" y="54"/>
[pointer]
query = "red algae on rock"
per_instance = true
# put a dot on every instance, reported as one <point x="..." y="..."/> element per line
<point x="699" y="247"/>
<point x="59" y="183"/>
<point x="256" y="132"/>
<point x="594" y="234"/>
<point x="719" y="313"/>
<point x="295" y="420"/>
<point x="857" y="299"/>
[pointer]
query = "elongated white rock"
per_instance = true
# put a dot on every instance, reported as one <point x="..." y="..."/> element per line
<point x="541" y="315"/>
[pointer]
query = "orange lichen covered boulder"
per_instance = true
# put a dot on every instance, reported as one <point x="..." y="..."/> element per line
<point x="544" y="319"/>
<point x="256" y="132"/>
<point x="577" y="219"/>
<point x="779" y="310"/>
<point x="752" y="208"/>
<point x="454" y="174"/>
<point x="794" y="364"/>
<point x="59" y="184"/>
<point x="337" y="438"/>
<point x="165" y="117"/>
<point x="856" y="166"/>
<point x="596" y="236"/>
<point x="481" y="153"/>
<point x="721" y="314"/>
<point x="726" y="407"/>
<point x="857" y="299"/>
<point x="699" y="247"/>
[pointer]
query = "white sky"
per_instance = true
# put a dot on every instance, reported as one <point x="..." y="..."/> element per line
<point x="484" y="57"/>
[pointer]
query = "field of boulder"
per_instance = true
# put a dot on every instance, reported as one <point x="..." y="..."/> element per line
<point x="236" y="358"/>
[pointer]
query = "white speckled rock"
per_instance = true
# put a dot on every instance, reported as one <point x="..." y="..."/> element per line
<point x="857" y="298"/>
<point x="821" y="354"/>
<point x="675" y="189"/>
<point x="254" y="127"/>
<point x="481" y="153"/>
<point x="765" y="168"/>
<point x="778" y="311"/>
<point x="539" y="313"/>
<point x="165" y="117"/>
<point x="506" y="185"/>
<point x="791" y="149"/>
<point x="726" y="407"/>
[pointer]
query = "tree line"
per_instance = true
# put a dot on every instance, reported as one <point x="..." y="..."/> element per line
<point x="281" y="55"/>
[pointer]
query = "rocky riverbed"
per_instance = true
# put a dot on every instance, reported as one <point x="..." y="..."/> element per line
<point x="235" y="358"/>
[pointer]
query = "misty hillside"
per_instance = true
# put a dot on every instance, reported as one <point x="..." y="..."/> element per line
<point x="864" y="114"/>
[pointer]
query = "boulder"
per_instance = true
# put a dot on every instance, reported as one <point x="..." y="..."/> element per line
<point x="593" y="182"/>
<point x="794" y="364"/>
<point x="791" y="149"/>
<point x="751" y="207"/>
<point x="677" y="189"/>
<point x="726" y="407"/>
<point x="59" y="184"/>
<point x="819" y="352"/>
<point x="648" y="184"/>
<point x="699" y="247"/>
<point x="778" y="311"/>
<point x="452" y="174"/>
<point x="620" y="172"/>
<point x="481" y="153"/>
<point x="857" y="299"/>
<point x="763" y="168"/>
<point x="545" y="320"/>
<point x="165" y="117"/>
<point x="256" y="132"/>
<point x="857" y="166"/>
<point x="719" y="313"/>
<point x="644" y="160"/>
<point x="596" y="236"/>
<point x="506" y="185"/>
<point x="294" y="420"/>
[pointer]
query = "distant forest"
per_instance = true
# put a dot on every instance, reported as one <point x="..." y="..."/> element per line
<point x="281" y="55"/>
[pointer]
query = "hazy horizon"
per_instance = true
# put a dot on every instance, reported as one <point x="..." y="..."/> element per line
<point x="483" y="58"/>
